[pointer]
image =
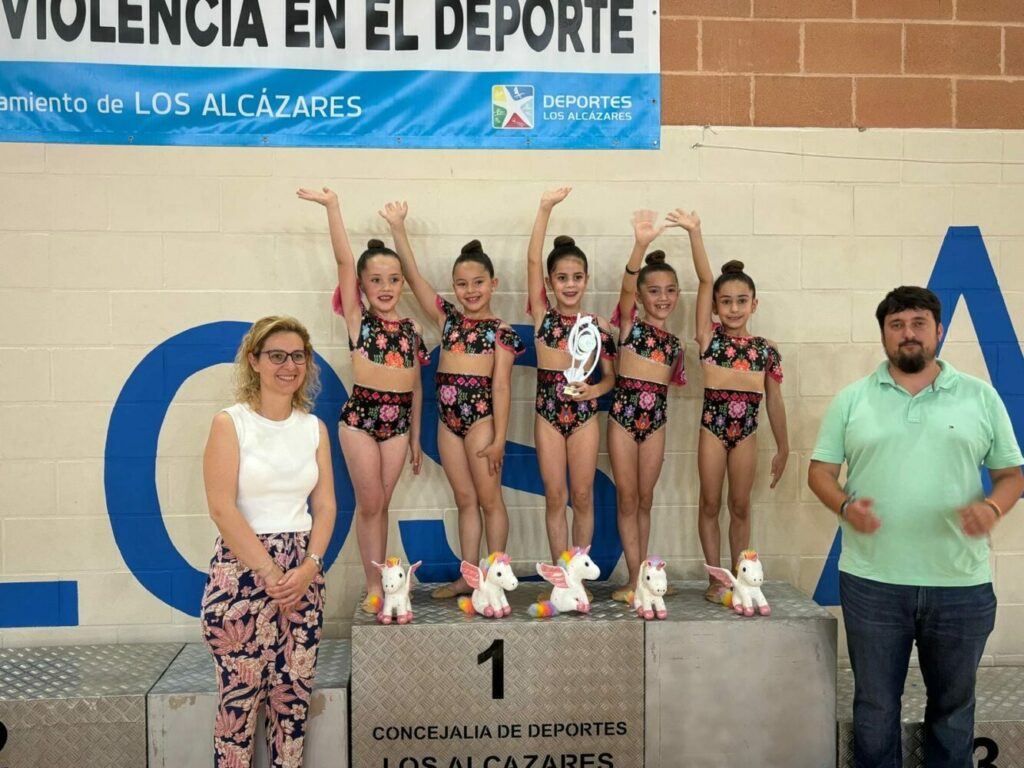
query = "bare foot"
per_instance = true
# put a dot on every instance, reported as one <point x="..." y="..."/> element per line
<point x="448" y="591"/>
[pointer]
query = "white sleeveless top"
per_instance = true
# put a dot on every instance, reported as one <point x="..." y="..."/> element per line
<point x="277" y="468"/>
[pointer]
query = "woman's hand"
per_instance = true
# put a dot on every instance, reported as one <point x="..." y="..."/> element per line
<point x="778" y="467"/>
<point x="553" y="197"/>
<point x="415" y="456"/>
<point x="644" y="230"/>
<point x="680" y="218"/>
<point x="394" y="213"/>
<point x="495" y="455"/>
<point x="581" y="390"/>
<point x="326" y="198"/>
<point x="287" y="592"/>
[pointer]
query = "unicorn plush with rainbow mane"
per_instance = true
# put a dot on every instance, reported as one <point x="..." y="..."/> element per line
<point x="651" y="585"/>
<point x="745" y="587"/>
<point x="566" y="578"/>
<point x="490" y="581"/>
<point x="396" y="581"/>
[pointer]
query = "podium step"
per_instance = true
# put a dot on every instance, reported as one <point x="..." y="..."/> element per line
<point x="451" y="690"/>
<point x="183" y="704"/>
<point x="999" y="717"/>
<point x="73" y="706"/>
<point x="726" y="690"/>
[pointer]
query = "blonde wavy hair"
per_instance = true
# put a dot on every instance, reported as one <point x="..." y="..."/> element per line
<point x="247" y="381"/>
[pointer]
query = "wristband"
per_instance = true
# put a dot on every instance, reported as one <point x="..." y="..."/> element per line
<point x="632" y="271"/>
<point x="993" y="506"/>
<point x="843" y="507"/>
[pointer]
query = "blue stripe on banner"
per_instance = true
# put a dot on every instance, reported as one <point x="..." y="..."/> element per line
<point x="38" y="604"/>
<point x="121" y="104"/>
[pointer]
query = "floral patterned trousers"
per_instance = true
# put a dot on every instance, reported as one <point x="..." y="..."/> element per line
<point x="263" y="655"/>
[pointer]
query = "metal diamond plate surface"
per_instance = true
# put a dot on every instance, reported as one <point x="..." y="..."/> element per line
<point x="787" y="602"/>
<point x="999" y="717"/>
<point x="193" y="671"/>
<point x="82" y="671"/>
<point x="572" y="685"/>
<point x="78" y="705"/>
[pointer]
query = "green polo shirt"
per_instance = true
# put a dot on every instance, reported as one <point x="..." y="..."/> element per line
<point x="919" y="459"/>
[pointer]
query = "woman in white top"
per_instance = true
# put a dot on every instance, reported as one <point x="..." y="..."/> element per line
<point x="262" y="608"/>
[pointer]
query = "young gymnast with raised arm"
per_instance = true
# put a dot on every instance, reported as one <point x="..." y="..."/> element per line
<point x="649" y="359"/>
<point x="380" y="422"/>
<point x="739" y="371"/>
<point x="474" y="385"/>
<point x="565" y="430"/>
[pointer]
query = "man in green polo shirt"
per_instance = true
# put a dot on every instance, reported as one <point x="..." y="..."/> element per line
<point x="915" y="561"/>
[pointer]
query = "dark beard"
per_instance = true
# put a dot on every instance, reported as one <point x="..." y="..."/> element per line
<point x="912" y="363"/>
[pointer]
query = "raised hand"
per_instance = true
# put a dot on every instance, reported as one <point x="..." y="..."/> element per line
<point x="644" y="229"/>
<point x="394" y="213"/>
<point x="553" y="197"/>
<point x="680" y="218"/>
<point x="326" y="197"/>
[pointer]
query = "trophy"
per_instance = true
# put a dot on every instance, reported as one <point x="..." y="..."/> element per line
<point x="585" y="347"/>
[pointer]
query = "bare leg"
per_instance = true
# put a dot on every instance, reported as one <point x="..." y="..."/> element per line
<point x="651" y="460"/>
<point x="581" y="448"/>
<point x="456" y="468"/>
<point x="742" y="466"/>
<point x="488" y="486"/>
<point x="372" y="468"/>
<point x="711" y="461"/>
<point x="551" y="450"/>
<point x="624" y="453"/>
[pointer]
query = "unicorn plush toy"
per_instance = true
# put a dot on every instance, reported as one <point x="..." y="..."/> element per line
<point x="574" y="567"/>
<point x="490" y="581"/>
<point x="745" y="587"/>
<point x="396" y="590"/>
<point x="651" y="585"/>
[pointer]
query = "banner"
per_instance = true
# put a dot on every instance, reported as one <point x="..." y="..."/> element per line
<point x="568" y="74"/>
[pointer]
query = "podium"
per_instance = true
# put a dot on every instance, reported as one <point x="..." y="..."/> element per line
<point x="725" y="690"/>
<point x="451" y="690"/>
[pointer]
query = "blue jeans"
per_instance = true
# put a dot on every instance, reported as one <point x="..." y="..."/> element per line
<point x="950" y="626"/>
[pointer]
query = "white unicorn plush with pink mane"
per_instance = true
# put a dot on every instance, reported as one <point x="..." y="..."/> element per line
<point x="651" y="586"/>
<point x="745" y="587"/>
<point x="395" y="581"/>
<point x="490" y="581"/>
<point x="566" y="578"/>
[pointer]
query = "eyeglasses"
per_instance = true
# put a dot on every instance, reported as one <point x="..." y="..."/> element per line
<point x="278" y="356"/>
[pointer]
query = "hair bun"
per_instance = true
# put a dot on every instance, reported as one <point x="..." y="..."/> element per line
<point x="374" y="243"/>
<point x="564" y="241"/>
<point x="655" y="257"/>
<point x="473" y="246"/>
<point x="732" y="267"/>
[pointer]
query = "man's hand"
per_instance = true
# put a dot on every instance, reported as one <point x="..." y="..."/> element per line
<point x="860" y="514"/>
<point x="977" y="519"/>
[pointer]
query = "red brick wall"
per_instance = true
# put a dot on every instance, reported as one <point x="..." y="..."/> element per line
<point x="843" y="63"/>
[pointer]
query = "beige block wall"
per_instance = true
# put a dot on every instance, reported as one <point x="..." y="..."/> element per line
<point x="107" y="251"/>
